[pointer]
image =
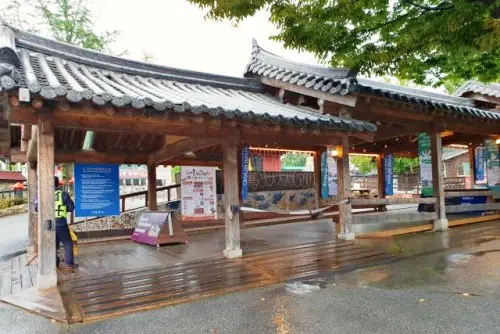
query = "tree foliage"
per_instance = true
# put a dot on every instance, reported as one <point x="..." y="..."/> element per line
<point x="364" y="164"/>
<point x="294" y="159"/>
<point x="426" y="41"/>
<point x="69" y="21"/>
<point x="405" y="166"/>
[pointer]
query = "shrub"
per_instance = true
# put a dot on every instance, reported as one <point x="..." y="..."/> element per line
<point x="8" y="202"/>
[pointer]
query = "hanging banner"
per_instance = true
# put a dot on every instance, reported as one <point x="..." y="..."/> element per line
<point x="331" y="162"/>
<point x="479" y="164"/>
<point x="329" y="185"/>
<point x="492" y="164"/>
<point x="244" y="172"/>
<point x="324" y="176"/>
<point x="388" y="175"/>
<point x="97" y="190"/>
<point x="424" y="156"/>
<point x="198" y="193"/>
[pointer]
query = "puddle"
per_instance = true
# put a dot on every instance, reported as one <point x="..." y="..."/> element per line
<point x="459" y="258"/>
<point x="302" y="288"/>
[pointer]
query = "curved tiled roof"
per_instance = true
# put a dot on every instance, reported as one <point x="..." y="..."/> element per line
<point x="340" y="81"/>
<point x="490" y="89"/>
<point x="54" y="70"/>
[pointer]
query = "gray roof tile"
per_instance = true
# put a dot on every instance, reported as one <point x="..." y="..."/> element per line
<point x="341" y="81"/>
<point x="489" y="89"/>
<point x="54" y="69"/>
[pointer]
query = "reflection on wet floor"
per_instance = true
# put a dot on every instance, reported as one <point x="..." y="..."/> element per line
<point x="444" y="259"/>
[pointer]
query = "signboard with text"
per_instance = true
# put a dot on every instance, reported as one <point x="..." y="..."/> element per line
<point x="492" y="164"/>
<point x="424" y="156"/>
<point x="479" y="164"/>
<point x="158" y="228"/>
<point x="97" y="190"/>
<point x="388" y="175"/>
<point x="198" y="193"/>
<point x="244" y="172"/>
<point x="329" y="185"/>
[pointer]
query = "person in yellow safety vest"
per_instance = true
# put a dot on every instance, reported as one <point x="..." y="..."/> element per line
<point x="63" y="205"/>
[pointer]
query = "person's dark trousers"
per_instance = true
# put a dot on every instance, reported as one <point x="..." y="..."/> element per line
<point x="62" y="236"/>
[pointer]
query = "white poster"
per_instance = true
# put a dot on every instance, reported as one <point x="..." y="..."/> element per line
<point x="332" y="176"/>
<point x="198" y="193"/>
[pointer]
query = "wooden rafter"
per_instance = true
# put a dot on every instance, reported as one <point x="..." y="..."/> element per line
<point x="180" y="147"/>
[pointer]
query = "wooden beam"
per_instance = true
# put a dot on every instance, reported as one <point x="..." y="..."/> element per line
<point x="344" y="188"/>
<point x="393" y="217"/>
<point x="152" y="201"/>
<point x="194" y="162"/>
<point x="472" y="207"/>
<point x="348" y="100"/>
<point x="46" y="275"/>
<point x="181" y="147"/>
<point x="472" y="164"/>
<point x="392" y="201"/>
<point x="105" y="157"/>
<point x="131" y="120"/>
<point x="441" y="223"/>
<point x="87" y="156"/>
<point x="25" y="137"/>
<point x="231" y="200"/>
<point x="32" y="153"/>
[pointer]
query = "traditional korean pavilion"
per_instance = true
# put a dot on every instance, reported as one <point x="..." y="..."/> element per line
<point x="65" y="104"/>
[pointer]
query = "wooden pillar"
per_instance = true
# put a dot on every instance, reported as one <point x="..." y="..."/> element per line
<point x="152" y="201"/>
<point x="32" y="215"/>
<point x="344" y="186"/>
<point x="317" y="176"/>
<point x="231" y="203"/>
<point x="441" y="223"/>
<point x="47" y="276"/>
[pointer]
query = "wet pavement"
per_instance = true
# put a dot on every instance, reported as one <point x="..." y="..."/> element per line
<point x="447" y="282"/>
<point x="13" y="236"/>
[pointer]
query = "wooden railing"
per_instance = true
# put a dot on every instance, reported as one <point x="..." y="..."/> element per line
<point x="124" y="197"/>
<point x="393" y="216"/>
<point x="144" y="193"/>
<point x="490" y="205"/>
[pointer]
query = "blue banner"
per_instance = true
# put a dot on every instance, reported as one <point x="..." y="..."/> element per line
<point x="479" y="164"/>
<point x="388" y="175"/>
<point x="324" y="176"/>
<point x="245" y="153"/>
<point x="97" y="190"/>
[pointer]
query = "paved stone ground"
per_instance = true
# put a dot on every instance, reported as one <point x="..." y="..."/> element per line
<point x="13" y="235"/>
<point x="435" y="289"/>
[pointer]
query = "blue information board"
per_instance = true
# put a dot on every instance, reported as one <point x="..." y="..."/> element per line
<point x="479" y="164"/>
<point x="388" y="174"/>
<point x="97" y="190"/>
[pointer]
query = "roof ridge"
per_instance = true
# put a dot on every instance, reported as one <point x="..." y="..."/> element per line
<point x="262" y="54"/>
<point x="36" y="43"/>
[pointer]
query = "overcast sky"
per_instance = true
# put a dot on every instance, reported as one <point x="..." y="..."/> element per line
<point x="176" y="34"/>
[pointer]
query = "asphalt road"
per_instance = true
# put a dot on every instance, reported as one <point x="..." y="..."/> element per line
<point x="13" y="236"/>
<point x="436" y="289"/>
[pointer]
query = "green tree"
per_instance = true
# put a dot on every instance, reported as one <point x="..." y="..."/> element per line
<point x="364" y="164"/>
<point x="426" y="41"/>
<point x="294" y="159"/>
<point x="405" y="166"/>
<point x="69" y="21"/>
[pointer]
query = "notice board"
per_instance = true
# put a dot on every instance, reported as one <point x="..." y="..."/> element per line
<point x="198" y="193"/>
<point x="158" y="228"/>
<point x="97" y="190"/>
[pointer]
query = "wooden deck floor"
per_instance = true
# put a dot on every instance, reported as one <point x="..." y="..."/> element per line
<point x="118" y="293"/>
